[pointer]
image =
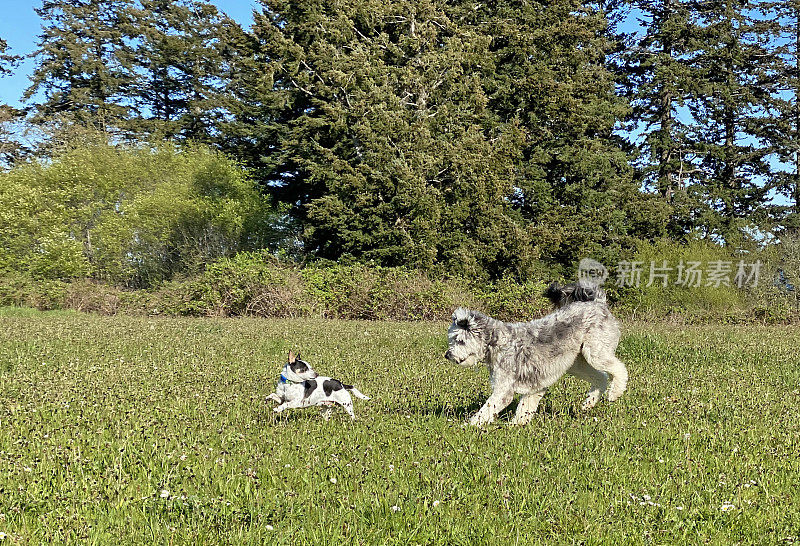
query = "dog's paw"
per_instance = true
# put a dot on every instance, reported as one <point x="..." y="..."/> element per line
<point x="477" y="420"/>
<point x="590" y="402"/>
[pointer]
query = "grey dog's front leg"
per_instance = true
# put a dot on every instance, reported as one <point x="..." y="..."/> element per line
<point x="498" y="400"/>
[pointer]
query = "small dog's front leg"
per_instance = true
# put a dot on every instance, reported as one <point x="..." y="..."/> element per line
<point x="494" y="405"/>
<point x="290" y="404"/>
<point x="274" y="397"/>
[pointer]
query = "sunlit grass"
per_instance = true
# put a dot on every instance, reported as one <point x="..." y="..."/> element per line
<point x="128" y="430"/>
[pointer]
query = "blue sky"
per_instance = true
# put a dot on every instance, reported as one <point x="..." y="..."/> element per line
<point x="20" y="27"/>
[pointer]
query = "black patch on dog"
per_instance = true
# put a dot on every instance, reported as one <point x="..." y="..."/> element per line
<point x="330" y="385"/>
<point x="554" y="293"/>
<point x="309" y="386"/>
<point x="298" y="366"/>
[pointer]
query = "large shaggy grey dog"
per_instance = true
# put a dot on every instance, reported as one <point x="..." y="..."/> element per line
<point x="525" y="358"/>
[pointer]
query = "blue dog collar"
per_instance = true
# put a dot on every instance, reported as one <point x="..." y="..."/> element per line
<point x="283" y="379"/>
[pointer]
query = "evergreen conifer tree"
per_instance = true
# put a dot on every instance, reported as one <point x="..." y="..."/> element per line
<point x="84" y="67"/>
<point x="736" y="65"/>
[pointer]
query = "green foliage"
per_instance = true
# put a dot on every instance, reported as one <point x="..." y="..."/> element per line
<point x="447" y="137"/>
<point x="127" y="215"/>
<point x="777" y="295"/>
<point x="697" y="303"/>
<point x="256" y="284"/>
<point x="507" y="298"/>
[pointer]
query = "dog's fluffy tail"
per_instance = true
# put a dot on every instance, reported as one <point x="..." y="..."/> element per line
<point x="357" y="393"/>
<point x="583" y="290"/>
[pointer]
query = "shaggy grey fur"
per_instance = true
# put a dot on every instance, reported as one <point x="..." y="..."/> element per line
<point x="579" y="338"/>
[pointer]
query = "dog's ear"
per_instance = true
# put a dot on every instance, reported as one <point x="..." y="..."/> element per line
<point x="292" y="357"/>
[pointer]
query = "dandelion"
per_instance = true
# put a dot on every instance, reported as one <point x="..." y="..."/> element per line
<point x="164" y="494"/>
<point x="726" y="506"/>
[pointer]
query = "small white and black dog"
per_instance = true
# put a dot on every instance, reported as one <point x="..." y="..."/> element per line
<point x="579" y="338"/>
<point x="300" y="387"/>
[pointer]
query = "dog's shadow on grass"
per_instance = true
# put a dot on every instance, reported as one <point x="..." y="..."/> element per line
<point x="463" y="411"/>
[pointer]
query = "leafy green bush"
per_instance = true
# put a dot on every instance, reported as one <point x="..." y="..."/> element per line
<point x="660" y="299"/>
<point x="127" y="215"/>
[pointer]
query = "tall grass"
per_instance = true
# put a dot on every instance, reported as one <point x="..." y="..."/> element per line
<point x="124" y="430"/>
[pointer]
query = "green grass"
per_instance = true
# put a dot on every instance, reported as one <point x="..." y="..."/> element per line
<point x="154" y="431"/>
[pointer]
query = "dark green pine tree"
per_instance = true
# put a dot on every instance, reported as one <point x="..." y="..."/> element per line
<point x="178" y="64"/>
<point x="737" y="66"/>
<point x="83" y="68"/>
<point x="659" y="79"/>
<point x="370" y="119"/>
<point x="552" y="75"/>
<point x="785" y="129"/>
<point x="7" y="61"/>
<point x="10" y="148"/>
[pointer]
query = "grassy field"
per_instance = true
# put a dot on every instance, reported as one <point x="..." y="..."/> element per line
<point x="154" y="431"/>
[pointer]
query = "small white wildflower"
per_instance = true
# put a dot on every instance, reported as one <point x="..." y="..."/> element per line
<point x="679" y="508"/>
<point x="727" y="506"/>
<point x="333" y="480"/>
<point x="395" y="508"/>
<point x="287" y="466"/>
<point x="686" y="436"/>
<point x="270" y="528"/>
<point x="27" y="469"/>
<point x="183" y="457"/>
<point x="646" y="497"/>
<point x="164" y="494"/>
<point x="3" y="535"/>
<point x="435" y="503"/>
<point x="391" y="468"/>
